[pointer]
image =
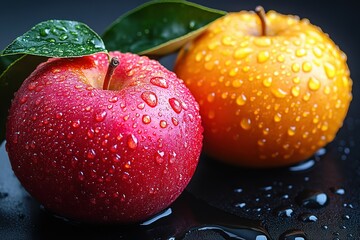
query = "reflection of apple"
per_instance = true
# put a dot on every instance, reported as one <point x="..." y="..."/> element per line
<point x="118" y="155"/>
<point x="272" y="88"/>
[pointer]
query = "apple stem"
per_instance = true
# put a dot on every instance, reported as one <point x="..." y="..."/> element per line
<point x="261" y="13"/>
<point x="114" y="62"/>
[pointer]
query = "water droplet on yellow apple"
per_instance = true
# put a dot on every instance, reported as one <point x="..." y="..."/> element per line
<point x="314" y="84"/>
<point x="329" y="70"/>
<point x="263" y="56"/>
<point x="241" y="100"/>
<point x="245" y="123"/>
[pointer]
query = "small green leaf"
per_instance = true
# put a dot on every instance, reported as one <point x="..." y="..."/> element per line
<point x="158" y="27"/>
<point x="10" y="81"/>
<point x="57" y="38"/>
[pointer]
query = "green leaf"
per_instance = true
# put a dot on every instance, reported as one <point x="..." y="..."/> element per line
<point x="10" y="81"/>
<point x="158" y="27"/>
<point x="57" y="38"/>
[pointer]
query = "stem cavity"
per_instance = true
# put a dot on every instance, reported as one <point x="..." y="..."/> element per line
<point x="114" y="62"/>
<point x="261" y="14"/>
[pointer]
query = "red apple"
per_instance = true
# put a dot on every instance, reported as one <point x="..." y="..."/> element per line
<point x="95" y="155"/>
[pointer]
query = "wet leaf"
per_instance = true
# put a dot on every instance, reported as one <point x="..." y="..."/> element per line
<point x="10" y="81"/>
<point x="158" y="27"/>
<point x="57" y="38"/>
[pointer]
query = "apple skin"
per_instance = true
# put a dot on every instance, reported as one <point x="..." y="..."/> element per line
<point x="267" y="100"/>
<point x="98" y="156"/>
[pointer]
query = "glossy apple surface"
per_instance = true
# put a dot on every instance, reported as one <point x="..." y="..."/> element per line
<point x="94" y="155"/>
<point x="271" y="92"/>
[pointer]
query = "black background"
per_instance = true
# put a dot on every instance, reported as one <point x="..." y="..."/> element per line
<point x="212" y="196"/>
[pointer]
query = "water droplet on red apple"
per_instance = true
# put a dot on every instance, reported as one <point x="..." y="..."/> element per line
<point x="90" y="133"/>
<point x="172" y="157"/>
<point x="59" y="115"/>
<point x="132" y="141"/>
<point x="81" y="176"/>
<point x="74" y="161"/>
<point x="113" y="148"/>
<point x="91" y="154"/>
<point x="78" y="87"/>
<point x="119" y="137"/>
<point x="184" y="106"/>
<point x="100" y="116"/>
<point x="127" y="165"/>
<point x="146" y="119"/>
<point x="16" y="137"/>
<point x="175" y="121"/>
<point x="76" y="124"/>
<point x="175" y="105"/>
<point x="152" y="190"/>
<point x="32" y="86"/>
<point x="191" y="117"/>
<point x="159" y="81"/>
<point x="116" y="158"/>
<point x="125" y="176"/>
<point x="113" y="99"/>
<point x="70" y="135"/>
<point x="23" y="99"/>
<point x="149" y="98"/>
<point x="163" y="124"/>
<point x="38" y="88"/>
<point x="159" y="157"/>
